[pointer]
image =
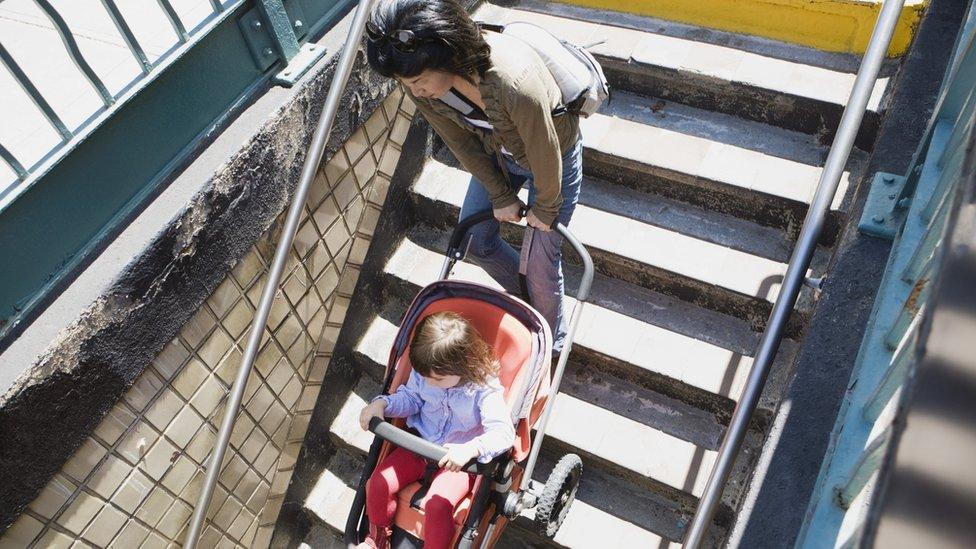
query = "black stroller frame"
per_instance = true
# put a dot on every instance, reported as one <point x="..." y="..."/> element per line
<point x="508" y="502"/>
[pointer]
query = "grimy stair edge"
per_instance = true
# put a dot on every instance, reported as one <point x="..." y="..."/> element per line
<point x="754" y="310"/>
<point x="634" y="499"/>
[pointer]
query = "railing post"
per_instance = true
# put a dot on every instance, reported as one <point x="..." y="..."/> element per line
<point x="35" y="95"/>
<point x="845" y="493"/>
<point x="280" y="28"/>
<point x="74" y="52"/>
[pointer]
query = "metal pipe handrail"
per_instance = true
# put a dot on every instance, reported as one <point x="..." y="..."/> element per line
<point x="806" y="245"/>
<point x="315" y="153"/>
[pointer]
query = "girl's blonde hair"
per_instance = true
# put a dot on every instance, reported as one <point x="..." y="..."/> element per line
<point x="447" y="344"/>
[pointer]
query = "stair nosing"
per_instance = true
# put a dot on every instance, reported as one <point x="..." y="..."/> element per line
<point x="646" y="330"/>
<point x="838" y="99"/>
<point x="426" y="188"/>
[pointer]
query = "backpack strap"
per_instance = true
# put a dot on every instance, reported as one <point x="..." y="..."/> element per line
<point x="500" y="29"/>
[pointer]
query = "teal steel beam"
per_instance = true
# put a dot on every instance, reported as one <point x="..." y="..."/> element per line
<point x="890" y="348"/>
<point x="51" y="228"/>
<point x="910" y="310"/>
<point x="964" y="72"/>
<point x="280" y="28"/>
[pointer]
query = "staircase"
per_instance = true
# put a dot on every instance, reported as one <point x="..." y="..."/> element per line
<point x="697" y="177"/>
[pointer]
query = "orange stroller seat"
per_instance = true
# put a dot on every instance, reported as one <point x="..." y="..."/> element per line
<point x="512" y="343"/>
<point x="522" y="344"/>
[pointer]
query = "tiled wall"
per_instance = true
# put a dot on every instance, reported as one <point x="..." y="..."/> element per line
<point x="133" y="482"/>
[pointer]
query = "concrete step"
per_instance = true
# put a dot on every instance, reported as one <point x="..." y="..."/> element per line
<point x="775" y="85"/>
<point x="698" y="271"/>
<point x="716" y="163"/>
<point x="612" y="492"/>
<point x="586" y="526"/>
<point x="624" y="333"/>
<point x="590" y="378"/>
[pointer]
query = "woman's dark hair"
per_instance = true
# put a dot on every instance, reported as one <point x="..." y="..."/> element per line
<point x="441" y="36"/>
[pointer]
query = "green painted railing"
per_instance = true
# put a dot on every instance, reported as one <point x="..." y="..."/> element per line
<point x="60" y="210"/>
<point x="912" y="209"/>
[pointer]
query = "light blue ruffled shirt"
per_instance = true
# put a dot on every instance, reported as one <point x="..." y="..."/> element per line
<point x="466" y="412"/>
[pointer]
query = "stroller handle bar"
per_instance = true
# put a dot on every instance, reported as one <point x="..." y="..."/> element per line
<point x="423" y="448"/>
<point x="456" y="249"/>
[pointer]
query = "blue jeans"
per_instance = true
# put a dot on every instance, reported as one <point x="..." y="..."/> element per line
<point x="544" y="273"/>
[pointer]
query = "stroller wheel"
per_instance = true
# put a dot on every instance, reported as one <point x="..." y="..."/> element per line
<point x="558" y="495"/>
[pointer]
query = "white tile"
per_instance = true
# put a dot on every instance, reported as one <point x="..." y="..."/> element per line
<point x="109" y="476"/>
<point x="132" y="535"/>
<point x="133" y="491"/>
<point x="159" y="459"/>
<point x="22" y="533"/>
<point x="164" y="409"/>
<point x="53" y="496"/>
<point x="103" y="529"/>
<point x="115" y="423"/>
<point x="81" y="511"/>
<point x="84" y="460"/>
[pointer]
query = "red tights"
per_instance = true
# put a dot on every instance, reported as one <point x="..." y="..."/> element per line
<point x="399" y="469"/>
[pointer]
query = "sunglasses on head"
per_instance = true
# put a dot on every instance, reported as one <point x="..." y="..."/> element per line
<point x="403" y="40"/>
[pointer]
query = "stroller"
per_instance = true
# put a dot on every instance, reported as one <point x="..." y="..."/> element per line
<point x="522" y="343"/>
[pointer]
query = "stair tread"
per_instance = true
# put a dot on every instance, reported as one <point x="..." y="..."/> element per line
<point x="595" y="431"/>
<point x="639" y="302"/>
<point x="585" y="525"/>
<point x="679" y="54"/>
<point x="691" y="361"/>
<point x="731" y="165"/>
<point x="711" y="226"/>
<point x="701" y="260"/>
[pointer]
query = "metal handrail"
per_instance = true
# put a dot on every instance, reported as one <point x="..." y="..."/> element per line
<point x="799" y="263"/>
<point x="315" y="153"/>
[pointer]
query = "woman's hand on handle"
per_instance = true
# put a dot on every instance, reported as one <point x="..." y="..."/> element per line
<point x="534" y="222"/>
<point x="509" y="213"/>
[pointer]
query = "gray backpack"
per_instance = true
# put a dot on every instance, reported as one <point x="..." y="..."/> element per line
<point x="579" y="76"/>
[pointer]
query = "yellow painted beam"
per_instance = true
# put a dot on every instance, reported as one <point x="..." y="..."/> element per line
<point x="829" y="25"/>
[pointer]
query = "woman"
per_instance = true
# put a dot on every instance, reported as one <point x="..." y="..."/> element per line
<point x="492" y="100"/>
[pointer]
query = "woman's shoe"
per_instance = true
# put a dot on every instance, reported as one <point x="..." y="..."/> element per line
<point x="378" y="538"/>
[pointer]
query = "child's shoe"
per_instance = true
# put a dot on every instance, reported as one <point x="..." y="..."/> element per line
<point x="378" y="538"/>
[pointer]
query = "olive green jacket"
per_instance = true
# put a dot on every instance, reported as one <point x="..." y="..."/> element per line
<point x="519" y="95"/>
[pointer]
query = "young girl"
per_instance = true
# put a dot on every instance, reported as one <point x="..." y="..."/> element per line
<point x="453" y="398"/>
